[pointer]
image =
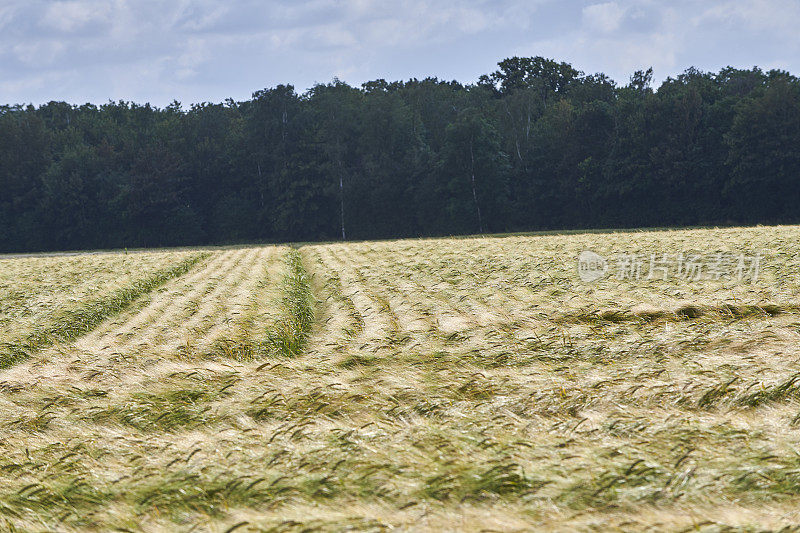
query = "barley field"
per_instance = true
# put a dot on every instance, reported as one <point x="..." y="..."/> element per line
<point x="446" y="384"/>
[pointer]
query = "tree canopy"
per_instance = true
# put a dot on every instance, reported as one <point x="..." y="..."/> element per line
<point x="534" y="145"/>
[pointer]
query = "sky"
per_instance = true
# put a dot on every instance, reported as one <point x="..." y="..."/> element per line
<point x="195" y="51"/>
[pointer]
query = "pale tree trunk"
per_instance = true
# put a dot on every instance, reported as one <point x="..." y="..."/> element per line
<point x="474" y="192"/>
<point x="341" y="199"/>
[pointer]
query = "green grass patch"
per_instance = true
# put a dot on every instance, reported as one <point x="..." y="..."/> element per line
<point x="289" y="335"/>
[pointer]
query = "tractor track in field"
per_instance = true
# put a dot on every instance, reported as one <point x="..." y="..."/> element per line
<point x="176" y="325"/>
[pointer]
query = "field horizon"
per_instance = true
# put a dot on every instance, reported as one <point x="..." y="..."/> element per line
<point x="298" y="244"/>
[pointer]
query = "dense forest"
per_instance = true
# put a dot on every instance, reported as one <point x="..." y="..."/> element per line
<point x="535" y="145"/>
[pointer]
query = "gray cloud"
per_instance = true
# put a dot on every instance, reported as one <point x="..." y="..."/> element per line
<point x="203" y="50"/>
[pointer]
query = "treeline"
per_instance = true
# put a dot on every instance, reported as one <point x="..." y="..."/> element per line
<point x="534" y="145"/>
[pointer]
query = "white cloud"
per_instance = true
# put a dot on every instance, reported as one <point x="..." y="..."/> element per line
<point x="200" y="16"/>
<point x="74" y="15"/>
<point x="6" y="14"/>
<point x="194" y="50"/>
<point x="194" y="53"/>
<point x="26" y="84"/>
<point x="38" y="54"/>
<point x="333" y="36"/>
<point x="362" y="7"/>
<point x="606" y="17"/>
<point x="760" y="15"/>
